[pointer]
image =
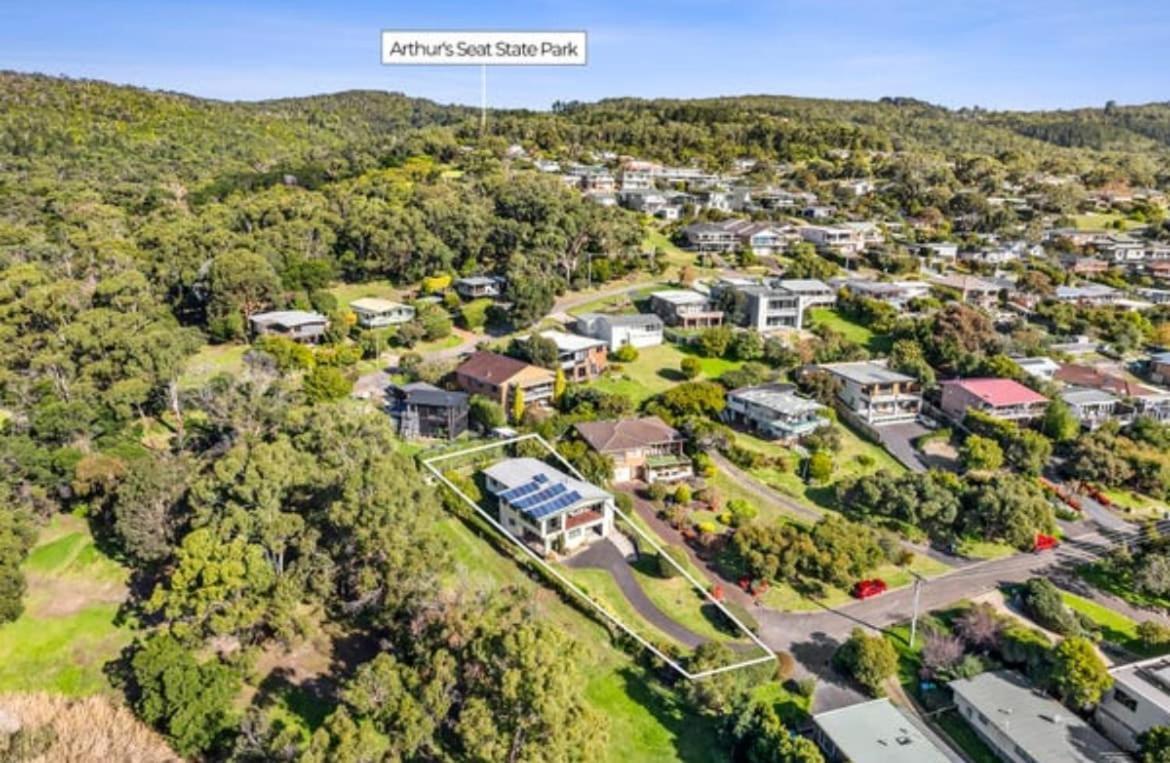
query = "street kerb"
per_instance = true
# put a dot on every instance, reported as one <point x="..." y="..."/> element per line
<point x="551" y="570"/>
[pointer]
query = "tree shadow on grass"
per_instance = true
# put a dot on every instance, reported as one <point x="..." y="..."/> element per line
<point x="693" y="736"/>
<point x="671" y="374"/>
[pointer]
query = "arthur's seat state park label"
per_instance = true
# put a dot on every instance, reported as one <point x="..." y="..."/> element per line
<point x="482" y="48"/>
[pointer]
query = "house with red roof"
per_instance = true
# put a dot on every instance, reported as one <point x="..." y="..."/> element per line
<point x="1002" y="398"/>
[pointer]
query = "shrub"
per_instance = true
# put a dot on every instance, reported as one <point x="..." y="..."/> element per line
<point x="691" y="368"/>
<point x="1153" y="633"/>
<point x="1043" y="603"/>
<point x="627" y="353"/>
<point x="624" y="502"/>
<point x="473" y="315"/>
<point x="869" y="659"/>
<point x="682" y="494"/>
<point x="707" y="527"/>
<point x="806" y="687"/>
<point x="656" y="491"/>
<point x="665" y="568"/>
<point x="741" y="512"/>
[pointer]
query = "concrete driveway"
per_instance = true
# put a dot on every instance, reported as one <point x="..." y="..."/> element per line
<point x="899" y="439"/>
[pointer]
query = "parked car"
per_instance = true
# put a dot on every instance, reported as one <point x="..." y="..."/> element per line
<point x="867" y="589"/>
<point x="1044" y="542"/>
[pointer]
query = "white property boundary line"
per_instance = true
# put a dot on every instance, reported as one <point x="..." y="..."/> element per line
<point x="428" y="463"/>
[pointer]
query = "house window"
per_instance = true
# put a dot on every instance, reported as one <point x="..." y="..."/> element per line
<point x="983" y="719"/>
<point x="1125" y="700"/>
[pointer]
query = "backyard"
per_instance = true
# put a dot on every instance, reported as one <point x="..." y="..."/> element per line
<point x="656" y="370"/>
<point x="854" y="332"/>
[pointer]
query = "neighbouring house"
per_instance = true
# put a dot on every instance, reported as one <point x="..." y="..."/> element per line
<point x="876" y="732"/>
<point x="498" y="377"/>
<point x="874" y="394"/>
<point x="1158" y="367"/>
<point x="1002" y="398"/>
<point x="971" y="289"/>
<point x="774" y="411"/>
<point x="645" y="449"/>
<point x="1024" y="725"/>
<point x="298" y="325"/>
<point x="373" y="313"/>
<point x="1094" y="407"/>
<point x="897" y="294"/>
<point x="1040" y="368"/>
<point x="1088" y="294"/>
<point x="761" y="304"/>
<point x="582" y="358"/>
<point x="546" y="508"/>
<point x="1084" y="266"/>
<point x="617" y="331"/>
<point x="944" y="251"/>
<point x="1142" y="399"/>
<point x="844" y="240"/>
<point x="474" y="287"/>
<point x="811" y="291"/>
<point x="710" y="237"/>
<point x="685" y="309"/>
<point x="1138" y="701"/>
<point x="423" y="410"/>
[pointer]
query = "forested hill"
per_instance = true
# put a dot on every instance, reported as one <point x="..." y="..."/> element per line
<point x="93" y="130"/>
<point x="89" y="130"/>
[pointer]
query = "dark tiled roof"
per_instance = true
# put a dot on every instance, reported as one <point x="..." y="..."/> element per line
<point x="623" y="434"/>
<point x="491" y="368"/>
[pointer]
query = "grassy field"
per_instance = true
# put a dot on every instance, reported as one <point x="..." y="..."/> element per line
<point x="646" y="720"/>
<point x="67" y="632"/>
<point x="211" y="361"/>
<point x="656" y="370"/>
<point x="348" y="292"/>
<point x="854" y="332"/>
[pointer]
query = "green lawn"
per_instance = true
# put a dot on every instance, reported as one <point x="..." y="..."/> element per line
<point x="1115" y="627"/>
<point x="1121" y="585"/>
<point x="973" y="548"/>
<point x="348" y="292"/>
<point x="854" y="332"/>
<point x="646" y="720"/>
<point x="786" y="598"/>
<point x="856" y="457"/>
<point x="1136" y="505"/>
<point x="67" y="633"/>
<point x="618" y="303"/>
<point x="656" y="370"/>
<point x="211" y="361"/>
<point x="1102" y="220"/>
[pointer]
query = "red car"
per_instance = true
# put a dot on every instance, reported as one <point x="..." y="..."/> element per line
<point x="865" y="589"/>
<point x="1044" y="542"/>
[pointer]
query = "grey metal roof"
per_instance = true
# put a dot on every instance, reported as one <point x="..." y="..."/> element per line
<point x="1048" y="731"/>
<point x="288" y="318"/>
<point x="1149" y="679"/>
<point x="878" y="732"/>
<point x="538" y="490"/>
<point x="680" y="297"/>
<point x="777" y="397"/>
<point x="1082" y="396"/>
<point x="866" y="372"/>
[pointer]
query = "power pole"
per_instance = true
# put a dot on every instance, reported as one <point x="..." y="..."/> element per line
<point x="914" y="618"/>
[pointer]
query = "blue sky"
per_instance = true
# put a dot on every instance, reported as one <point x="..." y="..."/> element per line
<point x="992" y="53"/>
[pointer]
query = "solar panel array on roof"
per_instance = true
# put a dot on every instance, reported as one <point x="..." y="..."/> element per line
<point x="538" y="499"/>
